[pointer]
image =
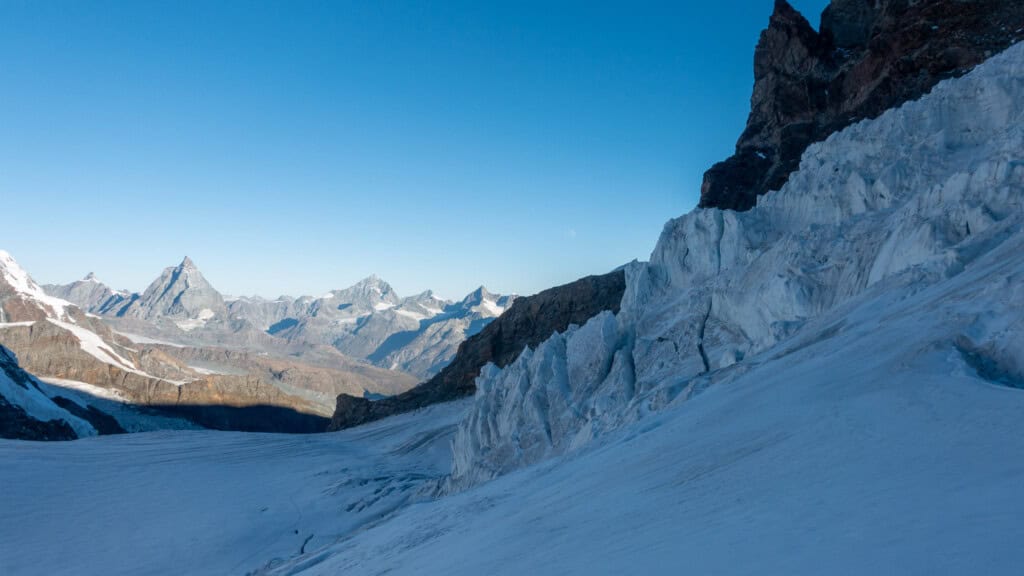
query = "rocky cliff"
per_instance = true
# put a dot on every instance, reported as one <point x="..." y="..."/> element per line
<point x="528" y="322"/>
<point x="25" y="412"/>
<point x="869" y="56"/>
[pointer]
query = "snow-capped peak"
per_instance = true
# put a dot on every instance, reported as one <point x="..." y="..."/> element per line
<point x="18" y="279"/>
<point x="370" y="292"/>
<point x="486" y="303"/>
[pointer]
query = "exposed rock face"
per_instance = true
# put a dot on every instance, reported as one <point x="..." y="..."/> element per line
<point x="528" y="322"/>
<point x="181" y="293"/>
<point x="870" y="56"/>
<point x="54" y="338"/>
<point x="89" y="294"/>
<point x="16" y="424"/>
<point x="442" y="327"/>
<point x="23" y="397"/>
<point x="319" y="384"/>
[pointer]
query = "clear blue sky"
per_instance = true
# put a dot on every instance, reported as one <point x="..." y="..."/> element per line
<point x="294" y="147"/>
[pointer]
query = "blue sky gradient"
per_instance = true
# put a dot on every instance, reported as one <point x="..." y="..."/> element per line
<point x="296" y="147"/>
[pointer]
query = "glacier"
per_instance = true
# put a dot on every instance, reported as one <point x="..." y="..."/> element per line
<point x="895" y="204"/>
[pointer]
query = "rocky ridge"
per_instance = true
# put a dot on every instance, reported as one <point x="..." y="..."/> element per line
<point x="869" y="56"/>
<point x="528" y="322"/>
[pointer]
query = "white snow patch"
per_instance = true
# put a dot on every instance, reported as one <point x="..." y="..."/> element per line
<point x="136" y="338"/>
<point x="85" y="387"/>
<point x="410" y="314"/>
<point x="16" y="324"/>
<point x="492" y="307"/>
<point x="93" y="345"/>
<point x="199" y="321"/>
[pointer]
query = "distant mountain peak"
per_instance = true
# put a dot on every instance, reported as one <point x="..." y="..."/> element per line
<point x="477" y="296"/>
<point x="14" y="278"/>
<point x="90" y="277"/>
<point x="371" y="280"/>
<point x="182" y="293"/>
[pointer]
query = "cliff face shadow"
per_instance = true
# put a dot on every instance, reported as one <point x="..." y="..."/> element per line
<point x="102" y="414"/>
<point x="257" y="418"/>
<point x="282" y="326"/>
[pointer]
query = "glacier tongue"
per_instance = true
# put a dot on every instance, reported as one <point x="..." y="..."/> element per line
<point x="898" y="203"/>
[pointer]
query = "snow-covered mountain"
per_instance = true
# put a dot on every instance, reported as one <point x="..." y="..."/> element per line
<point x="54" y="336"/>
<point x="418" y="334"/>
<point x="180" y="294"/>
<point x="79" y="354"/>
<point x="89" y="294"/>
<point x="442" y="327"/>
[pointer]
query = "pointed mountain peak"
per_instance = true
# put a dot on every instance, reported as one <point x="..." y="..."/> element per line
<point x="372" y="283"/>
<point x="90" y="277"/>
<point x="477" y="297"/>
<point x="372" y="280"/>
<point x="187" y="263"/>
<point x="786" y="16"/>
<point x="480" y="293"/>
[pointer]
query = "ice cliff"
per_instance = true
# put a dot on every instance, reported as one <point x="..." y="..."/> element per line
<point x="887" y="206"/>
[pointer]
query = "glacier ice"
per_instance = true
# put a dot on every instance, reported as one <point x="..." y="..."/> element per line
<point x="910" y="198"/>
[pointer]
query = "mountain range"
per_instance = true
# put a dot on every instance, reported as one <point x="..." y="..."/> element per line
<point x="151" y="384"/>
<point x="417" y="334"/>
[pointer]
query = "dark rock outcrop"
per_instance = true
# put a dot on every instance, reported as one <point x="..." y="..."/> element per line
<point x="870" y="56"/>
<point x="16" y="424"/>
<point x="528" y="322"/>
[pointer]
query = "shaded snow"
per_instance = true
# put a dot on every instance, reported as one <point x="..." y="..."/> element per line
<point x="30" y="398"/>
<point x="207" y="502"/>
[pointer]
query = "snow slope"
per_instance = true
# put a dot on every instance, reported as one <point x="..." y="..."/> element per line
<point x="207" y="502"/>
<point x="857" y="449"/>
